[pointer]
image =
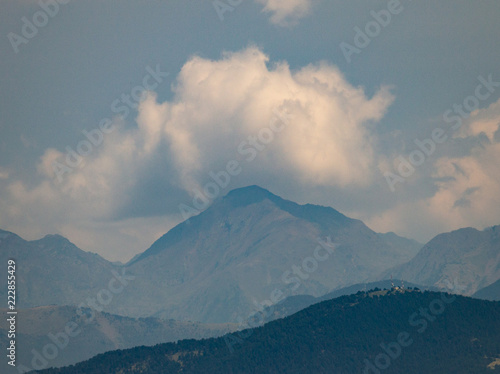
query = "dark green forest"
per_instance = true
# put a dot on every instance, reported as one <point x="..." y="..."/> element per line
<point x="376" y="332"/>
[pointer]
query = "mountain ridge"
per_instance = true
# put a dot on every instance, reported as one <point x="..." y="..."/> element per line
<point x="240" y="248"/>
<point x="96" y="332"/>
<point x="346" y="334"/>
<point x="467" y="255"/>
<point x="490" y="292"/>
<point x="53" y="270"/>
<point x="239" y="197"/>
<point x="221" y="264"/>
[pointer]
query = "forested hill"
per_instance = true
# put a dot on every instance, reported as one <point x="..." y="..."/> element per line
<point x="377" y="332"/>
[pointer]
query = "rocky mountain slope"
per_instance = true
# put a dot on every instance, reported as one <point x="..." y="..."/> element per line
<point x="223" y="263"/>
<point x="468" y="259"/>
<point x="52" y="270"/>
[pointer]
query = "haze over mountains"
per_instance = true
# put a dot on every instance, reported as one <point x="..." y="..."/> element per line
<point x="52" y="270"/>
<point x="250" y="249"/>
<point x="95" y="333"/>
<point x="237" y="252"/>
<point x="467" y="256"/>
<point x="223" y="264"/>
<point x="491" y="292"/>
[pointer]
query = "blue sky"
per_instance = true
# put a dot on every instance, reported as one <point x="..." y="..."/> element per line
<point x="349" y="121"/>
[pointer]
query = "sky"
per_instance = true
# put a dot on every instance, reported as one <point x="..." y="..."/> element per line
<point x="121" y="119"/>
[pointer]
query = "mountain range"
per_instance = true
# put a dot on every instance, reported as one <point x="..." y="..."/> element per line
<point x="94" y="333"/>
<point x="250" y="249"/>
<point x="218" y="266"/>
<point x="52" y="270"/>
<point x="222" y="264"/>
<point x="251" y="255"/>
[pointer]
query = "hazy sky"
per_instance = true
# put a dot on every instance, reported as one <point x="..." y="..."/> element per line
<point x="114" y="113"/>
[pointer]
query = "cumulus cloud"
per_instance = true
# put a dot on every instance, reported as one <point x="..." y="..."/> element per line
<point x="467" y="188"/>
<point x="127" y="191"/>
<point x="220" y="103"/>
<point x="286" y="12"/>
<point x="218" y="108"/>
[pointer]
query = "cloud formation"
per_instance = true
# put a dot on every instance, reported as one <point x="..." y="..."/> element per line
<point x="286" y="12"/>
<point x="127" y="191"/>
<point x="220" y="103"/>
<point x="218" y="114"/>
<point x="467" y="187"/>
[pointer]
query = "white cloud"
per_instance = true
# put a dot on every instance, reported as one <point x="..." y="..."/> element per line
<point x="468" y="187"/>
<point x="129" y="188"/>
<point x="286" y="12"/>
<point x="219" y="104"/>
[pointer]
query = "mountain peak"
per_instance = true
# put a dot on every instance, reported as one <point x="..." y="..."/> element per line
<point x="250" y="188"/>
<point x="4" y="235"/>
<point x="248" y="195"/>
<point x="55" y="238"/>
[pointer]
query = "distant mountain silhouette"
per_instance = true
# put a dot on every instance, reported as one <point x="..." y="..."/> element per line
<point x="249" y="247"/>
<point x="491" y="292"/>
<point x="95" y="333"/>
<point x="224" y="262"/>
<point x="52" y="270"/>
<point x="464" y="260"/>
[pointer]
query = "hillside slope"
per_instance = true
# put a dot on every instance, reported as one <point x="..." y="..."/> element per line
<point x="409" y="333"/>
<point x="467" y="258"/>
<point x="52" y="270"/>
<point x="294" y="304"/>
<point x="491" y="292"/>
<point x="219" y="265"/>
<point x="94" y="333"/>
